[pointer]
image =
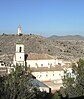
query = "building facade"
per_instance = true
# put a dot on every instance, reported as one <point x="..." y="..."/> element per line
<point x="44" y="67"/>
<point x="19" y="57"/>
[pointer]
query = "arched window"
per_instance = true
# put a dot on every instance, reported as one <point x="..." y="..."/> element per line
<point x="20" y="49"/>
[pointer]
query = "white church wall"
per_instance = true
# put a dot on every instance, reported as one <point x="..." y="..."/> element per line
<point x="43" y="63"/>
<point x="49" y="76"/>
<point x="40" y="63"/>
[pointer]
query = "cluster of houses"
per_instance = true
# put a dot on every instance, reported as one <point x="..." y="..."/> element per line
<point x="47" y="70"/>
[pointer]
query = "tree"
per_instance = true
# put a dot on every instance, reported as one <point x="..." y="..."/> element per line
<point x="56" y="96"/>
<point x="74" y="82"/>
<point x="17" y="85"/>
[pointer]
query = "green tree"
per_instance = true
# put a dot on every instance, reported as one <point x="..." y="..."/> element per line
<point x="56" y="96"/>
<point x="17" y="85"/>
<point x="74" y="82"/>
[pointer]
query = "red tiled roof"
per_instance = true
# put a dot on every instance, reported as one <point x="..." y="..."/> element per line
<point x="56" y="68"/>
<point x="36" y="56"/>
<point x="41" y="69"/>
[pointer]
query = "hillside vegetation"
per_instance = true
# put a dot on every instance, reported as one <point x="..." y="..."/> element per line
<point x="68" y="49"/>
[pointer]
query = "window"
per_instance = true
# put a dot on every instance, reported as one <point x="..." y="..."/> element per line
<point x="29" y="65"/>
<point x="59" y="63"/>
<point x="53" y="73"/>
<point x="51" y="64"/>
<point x="48" y="64"/>
<point x="40" y="75"/>
<point x="20" y="49"/>
<point x="59" y="74"/>
<point x="46" y="74"/>
<point x="41" y="64"/>
<point x="36" y="64"/>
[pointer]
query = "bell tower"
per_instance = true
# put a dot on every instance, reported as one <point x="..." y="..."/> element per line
<point x="19" y="30"/>
<point x="19" y="54"/>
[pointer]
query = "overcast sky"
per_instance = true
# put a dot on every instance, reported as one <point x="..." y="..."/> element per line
<point x="43" y="17"/>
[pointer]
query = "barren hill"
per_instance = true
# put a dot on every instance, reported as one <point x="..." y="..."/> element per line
<point x="66" y="49"/>
<point x="68" y="37"/>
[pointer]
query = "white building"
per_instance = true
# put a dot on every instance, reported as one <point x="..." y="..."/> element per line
<point x="19" y="57"/>
<point x="34" y="59"/>
<point x="5" y="69"/>
<point x="42" y="60"/>
<point x="44" y="67"/>
<point x="52" y="76"/>
<point x="19" y="30"/>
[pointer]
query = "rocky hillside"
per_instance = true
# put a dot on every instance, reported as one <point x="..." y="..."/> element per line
<point x="61" y="48"/>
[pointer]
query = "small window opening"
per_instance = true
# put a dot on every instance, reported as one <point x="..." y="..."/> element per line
<point x="20" y="49"/>
<point x="41" y="64"/>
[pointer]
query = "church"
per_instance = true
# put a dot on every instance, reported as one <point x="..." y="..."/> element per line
<point x="33" y="59"/>
<point x="45" y="68"/>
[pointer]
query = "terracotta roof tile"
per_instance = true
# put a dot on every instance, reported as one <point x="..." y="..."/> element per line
<point x="56" y="68"/>
<point x="36" y="56"/>
<point x="41" y="69"/>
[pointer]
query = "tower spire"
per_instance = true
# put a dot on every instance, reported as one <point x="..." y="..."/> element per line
<point x="19" y="29"/>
